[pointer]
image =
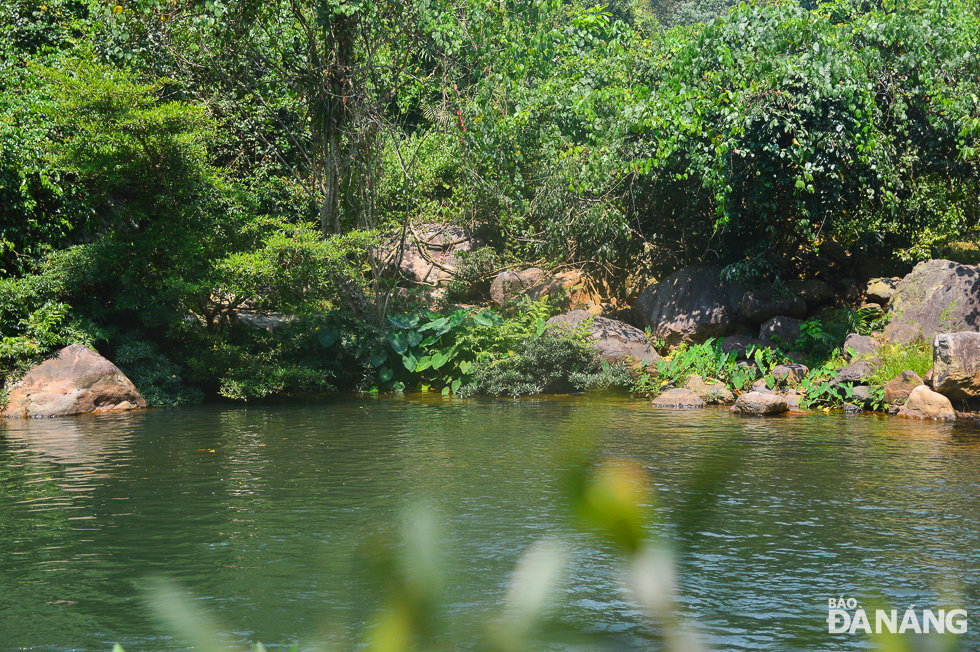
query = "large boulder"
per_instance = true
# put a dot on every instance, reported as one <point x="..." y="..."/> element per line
<point x="77" y="380"/>
<point x="938" y="296"/>
<point x="428" y="255"/>
<point x="508" y="285"/>
<point x="762" y="304"/>
<point x="923" y="403"/>
<point x="759" y="403"/>
<point x="615" y="340"/>
<point x="678" y="399"/>
<point x="711" y="391"/>
<point x="956" y="364"/>
<point x="897" y="389"/>
<point x="692" y="304"/>
<point x="815" y="293"/>
<point x="785" y="329"/>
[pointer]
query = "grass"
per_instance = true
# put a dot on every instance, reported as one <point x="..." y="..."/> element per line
<point x="894" y="359"/>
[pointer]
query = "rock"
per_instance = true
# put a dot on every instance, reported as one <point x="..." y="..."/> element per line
<point x="930" y="376"/>
<point x="571" y="286"/>
<point x="678" y="399"/>
<point x="861" y="395"/>
<point x="850" y="408"/>
<point x="75" y="381"/>
<point x="711" y="391"/>
<point x="862" y="345"/>
<point x="956" y="360"/>
<point x="923" y="403"/>
<point x="880" y="290"/>
<point x="761" y="387"/>
<point x="791" y="374"/>
<point x="692" y="304"/>
<point x="781" y="328"/>
<point x="760" y="305"/>
<point x="759" y="403"/>
<point x="847" y="288"/>
<point x="855" y="372"/>
<point x="508" y="285"/>
<point x="792" y="398"/>
<point x="938" y="296"/>
<point x="815" y="293"/>
<point x="897" y="389"/>
<point x="429" y="254"/>
<point x="739" y="344"/>
<point x="615" y="340"/>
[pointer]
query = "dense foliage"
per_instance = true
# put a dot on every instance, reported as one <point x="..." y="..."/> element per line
<point x="173" y="174"/>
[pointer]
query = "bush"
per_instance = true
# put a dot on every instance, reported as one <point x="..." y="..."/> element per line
<point x="546" y="364"/>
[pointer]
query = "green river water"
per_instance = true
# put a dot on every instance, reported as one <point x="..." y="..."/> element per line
<point x="259" y="511"/>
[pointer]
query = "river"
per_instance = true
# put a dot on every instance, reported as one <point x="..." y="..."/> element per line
<point x="263" y="512"/>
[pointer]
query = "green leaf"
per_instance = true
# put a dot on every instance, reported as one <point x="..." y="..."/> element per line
<point x="423" y="363"/>
<point x="455" y="385"/>
<point x="378" y="357"/>
<point x="410" y="361"/>
<point x="414" y="338"/>
<point x="403" y="321"/>
<point x="486" y="318"/>
<point x="386" y="374"/>
<point x="398" y="386"/>
<point x="399" y="342"/>
<point x="441" y="358"/>
<point x="438" y="325"/>
<point x="327" y="337"/>
<point x="465" y="366"/>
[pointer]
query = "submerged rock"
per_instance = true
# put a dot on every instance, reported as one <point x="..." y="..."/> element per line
<point x="77" y="380"/>
<point x="923" y="403"/>
<point x="757" y="403"/>
<point x="678" y="399"/>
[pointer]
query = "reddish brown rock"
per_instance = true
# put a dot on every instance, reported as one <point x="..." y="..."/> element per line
<point x="76" y="381"/>
<point x="897" y="389"/>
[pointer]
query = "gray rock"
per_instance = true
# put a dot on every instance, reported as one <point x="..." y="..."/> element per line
<point x="711" y="391"/>
<point x="938" y="296"/>
<point x="880" y="290"/>
<point x="678" y="399"/>
<point x="759" y="403"/>
<point x="850" y="408"/>
<point x="692" y="304"/>
<point x="508" y="285"/>
<point x="815" y="293"/>
<point x="615" y="340"/>
<point x="761" y="387"/>
<point x="762" y="304"/>
<point x="77" y="380"/>
<point x="571" y="287"/>
<point x="792" y="398"/>
<point x="956" y="360"/>
<point x="782" y="329"/>
<point x="862" y="345"/>
<point x="791" y="374"/>
<point x="923" y="403"/>
<point x="861" y="395"/>
<point x="855" y="372"/>
<point x="897" y="389"/>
